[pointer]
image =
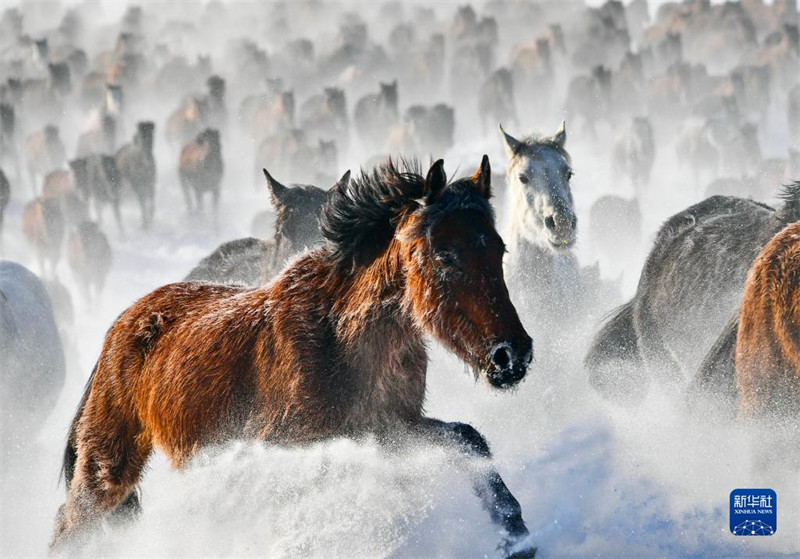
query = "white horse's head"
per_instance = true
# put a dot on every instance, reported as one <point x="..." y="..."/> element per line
<point x="539" y="171"/>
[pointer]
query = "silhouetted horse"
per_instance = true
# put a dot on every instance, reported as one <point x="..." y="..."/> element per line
<point x="137" y="169"/>
<point x="690" y="288"/>
<point x="98" y="180"/>
<point x="333" y="347"/>
<point x="43" y="228"/>
<point x="200" y="170"/>
<point x="767" y="348"/>
<point x="89" y="259"/>
<point x="32" y="362"/>
<point x="252" y="261"/>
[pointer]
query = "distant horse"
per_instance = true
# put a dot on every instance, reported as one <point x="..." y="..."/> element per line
<point x="44" y="152"/>
<point x="9" y="157"/>
<point x="32" y="364"/>
<point x="253" y="262"/>
<point x="89" y="259"/>
<point x="200" y="170"/>
<point x="424" y="131"/>
<point x="187" y="121"/>
<point x="43" y="228"/>
<point x="767" y="348"/>
<point x="60" y="185"/>
<point x="268" y="114"/>
<point x="635" y="152"/>
<point x="98" y="180"/>
<point x="333" y="347"/>
<point x="375" y="114"/>
<point x="690" y="287"/>
<point x="101" y="139"/>
<point x="137" y="170"/>
<point x="496" y="99"/>
<point x="294" y="155"/>
<point x="543" y="273"/>
<point x="324" y="116"/>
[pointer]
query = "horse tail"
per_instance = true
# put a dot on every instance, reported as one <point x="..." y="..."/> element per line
<point x="614" y="361"/>
<point x="71" y="450"/>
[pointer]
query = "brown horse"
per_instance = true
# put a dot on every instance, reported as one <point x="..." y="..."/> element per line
<point x="334" y="346"/>
<point x="768" y="341"/>
<point x="43" y="228"/>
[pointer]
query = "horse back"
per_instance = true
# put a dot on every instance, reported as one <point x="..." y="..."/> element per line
<point x="177" y="365"/>
<point x="693" y="278"/>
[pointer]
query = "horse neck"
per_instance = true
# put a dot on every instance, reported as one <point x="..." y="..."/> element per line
<point x="529" y="263"/>
<point x="381" y="346"/>
<point x="373" y="299"/>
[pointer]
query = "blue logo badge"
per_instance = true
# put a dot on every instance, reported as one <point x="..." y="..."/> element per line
<point x="754" y="512"/>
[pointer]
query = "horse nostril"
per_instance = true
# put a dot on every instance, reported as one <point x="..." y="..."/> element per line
<point x="501" y="356"/>
<point x="550" y="222"/>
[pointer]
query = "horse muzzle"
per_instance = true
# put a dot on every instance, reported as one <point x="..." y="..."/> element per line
<point x="508" y="363"/>
<point x="561" y="230"/>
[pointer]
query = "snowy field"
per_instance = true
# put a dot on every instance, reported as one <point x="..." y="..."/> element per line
<point x="594" y="479"/>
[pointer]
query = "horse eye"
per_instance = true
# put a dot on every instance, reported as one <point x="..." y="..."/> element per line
<point x="523" y="179"/>
<point x="446" y="258"/>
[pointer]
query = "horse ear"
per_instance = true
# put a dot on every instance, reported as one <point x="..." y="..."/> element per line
<point x="344" y="181"/>
<point x="276" y="190"/>
<point x="483" y="178"/>
<point x="511" y="143"/>
<point x="435" y="182"/>
<point x="560" y="137"/>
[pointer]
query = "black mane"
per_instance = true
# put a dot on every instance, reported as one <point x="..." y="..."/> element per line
<point x="790" y="196"/>
<point x="359" y="220"/>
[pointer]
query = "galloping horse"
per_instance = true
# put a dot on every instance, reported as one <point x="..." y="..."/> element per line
<point x="689" y="292"/>
<point x="334" y="346"/>
<point x="32" y="368"/>
<point x="544" y="276"/>
<point x="767" y="348"/>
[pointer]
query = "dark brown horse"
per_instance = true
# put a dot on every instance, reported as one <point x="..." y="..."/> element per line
<point x="334" y="346"/>
<point x="200" y="169"/>
<point x="768" y="341"/>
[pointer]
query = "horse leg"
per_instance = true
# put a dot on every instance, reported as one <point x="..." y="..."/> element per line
<point x="215" y="203"/>
<point x="106" y="473"/>
<point x="198" y="196"/>
<point x="503" y="507"/>
<point x="187" y="195"/>
<point x="118" y="218"/>
<point x="151" y="208"/>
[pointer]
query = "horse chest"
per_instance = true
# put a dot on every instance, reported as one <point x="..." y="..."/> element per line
<point x="388" y="387"/>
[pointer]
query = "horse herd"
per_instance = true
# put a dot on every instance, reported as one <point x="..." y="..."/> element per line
<point x="333" y="344"/>
<point x="316" y="326"/>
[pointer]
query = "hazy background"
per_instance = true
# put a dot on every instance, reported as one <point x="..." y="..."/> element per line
<point x="593" y="479"/>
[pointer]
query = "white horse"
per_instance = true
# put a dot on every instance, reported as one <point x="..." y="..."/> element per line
<point x="32" y="365"/>
<point x="547" y="285"/>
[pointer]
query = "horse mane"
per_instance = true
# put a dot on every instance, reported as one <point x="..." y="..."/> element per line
<point x="790" y="196"/>
<point x="532" y="144"/>
<point x="362" y="216"/>
<point x="359" y="220"/>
